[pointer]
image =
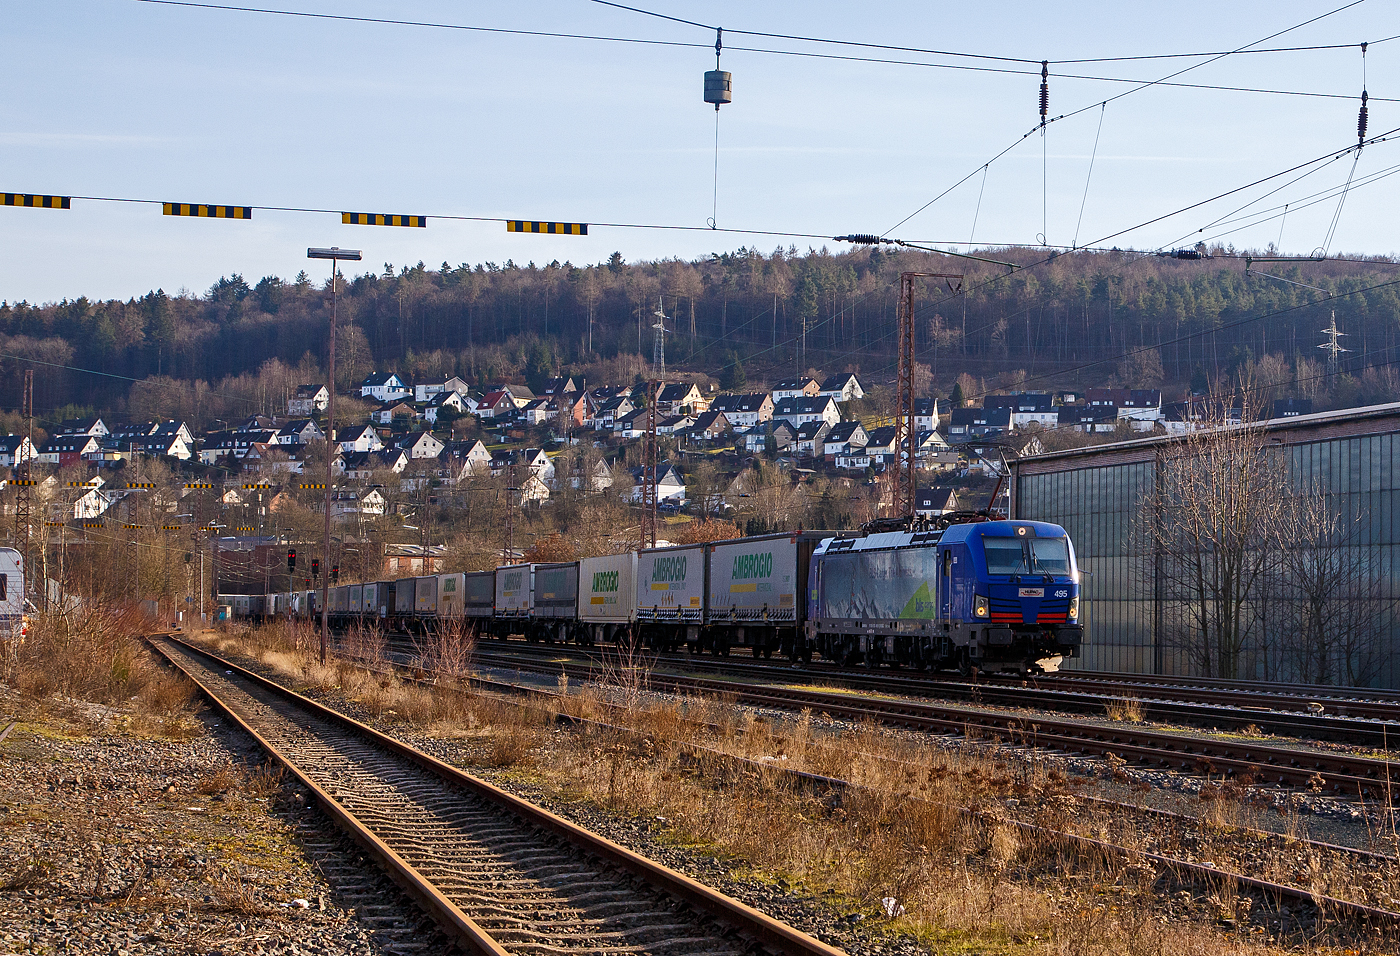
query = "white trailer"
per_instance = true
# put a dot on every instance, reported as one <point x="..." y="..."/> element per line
<point x="671" y="595"/>
<point x="450" y="591"/>
<point x="11" y="589"/>
<point x="607" y="595"/>
<point x="514" y="586"/>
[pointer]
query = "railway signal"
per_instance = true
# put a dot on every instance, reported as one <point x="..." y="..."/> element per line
<point x="315" y="567"/>
<point x="291" y="562"/>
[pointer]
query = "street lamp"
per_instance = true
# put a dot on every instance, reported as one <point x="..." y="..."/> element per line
<point x="335" y="254"/>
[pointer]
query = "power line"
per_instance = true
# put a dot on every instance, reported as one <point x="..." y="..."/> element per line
<point x="644" y="41"/>
<point x="1119" y="96"/>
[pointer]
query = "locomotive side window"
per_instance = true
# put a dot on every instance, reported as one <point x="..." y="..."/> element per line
<point x="4" y="586"/>
<point x="1005" y="556"/>
<point x="1050" y="555"/>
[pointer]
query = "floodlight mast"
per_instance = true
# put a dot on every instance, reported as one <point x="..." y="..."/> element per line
<point x="335" y="254"/>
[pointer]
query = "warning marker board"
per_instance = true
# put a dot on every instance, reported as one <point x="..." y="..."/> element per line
<point x="36" y="202"/>
<point x="548" y="228"/>
<point x="380" y="219"/>
<point x="206" y="212"/>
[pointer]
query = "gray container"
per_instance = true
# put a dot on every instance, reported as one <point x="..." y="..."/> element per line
<point x="425" y="596"/>
<point x="671" y="584"/>
<point x="479" y="593"/>
<point x="514" y="583"/>
<point x="607" y="589"/>
<point x="556" y="591"/>
<point x="403" y="597"/>
<point x="759" y="580"/>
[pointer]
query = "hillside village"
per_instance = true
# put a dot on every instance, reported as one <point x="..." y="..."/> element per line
<point x="420" y="441"/>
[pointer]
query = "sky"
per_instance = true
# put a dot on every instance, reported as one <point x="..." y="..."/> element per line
<point x="128" y="99"/>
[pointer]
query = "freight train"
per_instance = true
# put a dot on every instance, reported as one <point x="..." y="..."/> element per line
<point x="990" y="595"/>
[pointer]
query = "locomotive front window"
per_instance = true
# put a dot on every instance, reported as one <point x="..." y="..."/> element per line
<point x="1049" y="555"/>
<point x="1005" y="556"/>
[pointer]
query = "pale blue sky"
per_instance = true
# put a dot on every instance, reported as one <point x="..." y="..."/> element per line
<point x="128" y="99"/>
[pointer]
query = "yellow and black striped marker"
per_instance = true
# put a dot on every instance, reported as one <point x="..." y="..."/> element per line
<point x="55" y="524"/>
<point x="206" y="212"/>
<point x="548" y="228"/>
<point x="379" y="219"/>
<point x="23" y="481"/>
<point x="81" y="484"/>
<point x="93" y="524"/>
<point x="200" y="484"/>
<point x="243" y="529"/>
<point x="320" y="486"/>
<point x="171" y="527"/>
<point x="140" y="484"/>
<point x="264" y="487"/>
<point x="133" y="527"/>
<point x="36" y="202"/>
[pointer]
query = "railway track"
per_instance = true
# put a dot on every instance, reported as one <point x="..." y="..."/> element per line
<point x="1157" y="822"/>
<point x="499" y="874"/>
<point x="1374" y="724"/>
<point x="1344" y="774"/>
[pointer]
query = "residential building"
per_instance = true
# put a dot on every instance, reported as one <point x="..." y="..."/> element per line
<point x="83" y="426"/>
<point x="843" y="436"/>
<point x="303" y="431"/>
<point x="926" y="414"/>
<point x="358" y="438"/>
<point x="1026" y="408"/>
<point x="1088" y="418"/>
<point x="403" y="560"/>
<point x="965" y="423"/>
<point x="631" y="425"/>
<point x="796" y="411"/>
<point x="611" y="409"/>
<point x="253" y="423"/>
<point x="802" y="387"/>
<point x="932" y="502"/>
<point x="16" y="450"/>
<point x="709" y="426"/>
<point x="681" y="399"/>
<point x="471" y="456"/>
<point x="384" y="387"/>
<point x="672" y="424"/>
<point x="422" y="445"/>
<point x="355" y="502"/>
<point x="426" y="393"/>
<point x="496" y="404"/>
<point x="535" y="411"/>
<point x="879" y="444"/>
<point x="1137" y="404"/>
<point x="562" y="385"/>
<point x="442" y="402"/>
<point x="669" y="487"/>
<point x="64" y="450"/>
<point x="844" y="387"/>
<point x="853" y="459"/>
<point x="745" y="411"/>
<point x="1291" y="407"/>
<point x="810" y="437"/>
<point x="308" y="401"/>
<point x="397" y="411"/>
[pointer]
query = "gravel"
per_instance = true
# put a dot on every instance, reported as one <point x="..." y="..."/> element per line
<point x="116" y="843"/>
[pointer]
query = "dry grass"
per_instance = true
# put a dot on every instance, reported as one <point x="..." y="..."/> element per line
<point x="95" y="654"/>
<point x="966" y="882"/>
<point x="1127" y="709"/>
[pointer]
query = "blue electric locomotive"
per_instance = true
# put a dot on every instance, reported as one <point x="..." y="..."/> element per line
<point x="987" y="595"/>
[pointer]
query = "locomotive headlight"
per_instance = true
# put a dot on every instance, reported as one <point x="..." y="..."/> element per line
<point x="979" y="606"/>
<point x="1074" y="608"/>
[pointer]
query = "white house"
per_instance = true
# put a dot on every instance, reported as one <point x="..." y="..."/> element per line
<point x="66" y="449"/>
<point x="681" y="399"/>
<point x="346" y="503"/>
<point x="84" y="426"/>
<point x="444" y="401"/>
<point x="422" y="445"/>
<point x="384" y="387"/>
<point x="798" y="411"/>
<point x="1026" y="408"/>
<point x="745" y="411"/>
<point x="473" y="458"/>
<point x="424" y="393"/>
<point x="308" y="400"/>
<point x="925" y="415"/>
<point x="16" y="449"/>
<point x="670" y="486"/>
<point x="844" y="387"/>
<point x="300" y="432"/>
<point x="358" y="438"/>
<point x="496" y="404"/>
<point x="810" y="437"/>
<point x="802" y="387"/>
<point x="674" y="423"/>
<point x="843" y="437"/>
<point x="386" y="413"/>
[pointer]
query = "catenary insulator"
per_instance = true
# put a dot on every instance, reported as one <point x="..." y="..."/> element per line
<point x="1361" y="121"/>
<point x="1044" y="89"/>
<point x="718" y="87"/>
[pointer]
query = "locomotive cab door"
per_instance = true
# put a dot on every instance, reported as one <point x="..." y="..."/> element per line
<point x="945" y="586"/>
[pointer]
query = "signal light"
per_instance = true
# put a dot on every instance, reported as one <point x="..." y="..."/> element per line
<point x="291" y="562"/>
<point x="315" y="567"/>
<point x="335" y="574"/>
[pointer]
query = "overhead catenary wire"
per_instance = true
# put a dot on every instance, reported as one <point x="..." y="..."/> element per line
<point x="1093" y="155"/>
<point x="681" y="44"/>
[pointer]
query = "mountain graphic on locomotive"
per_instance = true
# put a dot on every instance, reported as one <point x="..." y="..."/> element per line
<point x="990" y="595"/>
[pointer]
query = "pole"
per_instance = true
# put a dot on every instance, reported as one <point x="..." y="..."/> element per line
<point x="330" y="457"/>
